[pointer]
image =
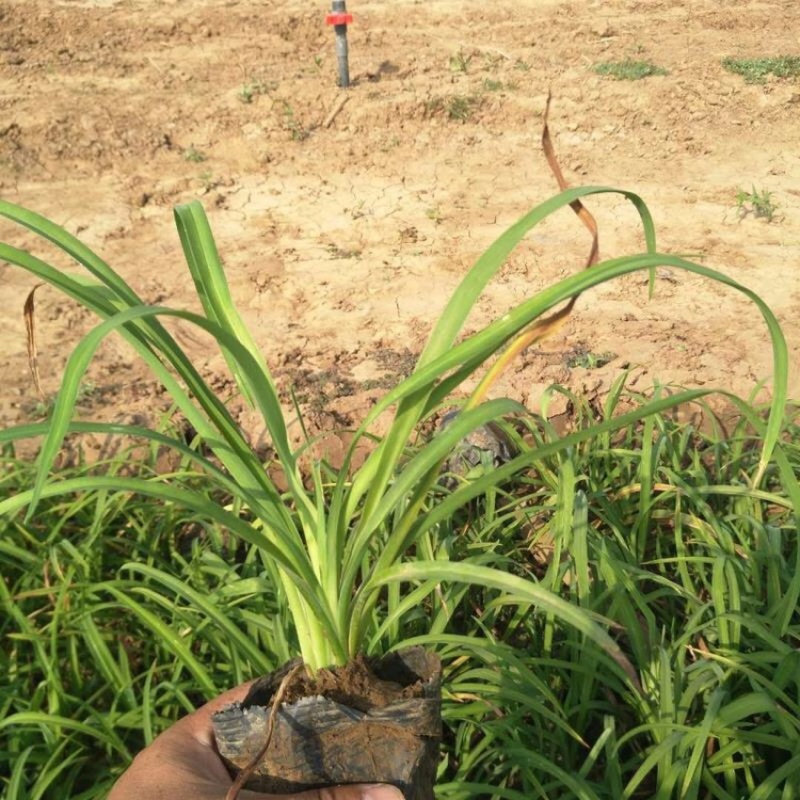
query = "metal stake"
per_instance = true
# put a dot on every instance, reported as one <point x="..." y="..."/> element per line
<point x="340" y="19"/>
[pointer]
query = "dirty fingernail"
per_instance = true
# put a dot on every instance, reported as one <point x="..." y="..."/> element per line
<point x="381" y="791"/>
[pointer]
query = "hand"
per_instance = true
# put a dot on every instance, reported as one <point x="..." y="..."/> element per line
<point x="183" y="764"/>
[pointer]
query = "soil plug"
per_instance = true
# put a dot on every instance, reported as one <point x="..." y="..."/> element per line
<point x="375" y="720"/>
<point x="340" y="19"/>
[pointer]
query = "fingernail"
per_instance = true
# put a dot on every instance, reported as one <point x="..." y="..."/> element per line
<point x="381" y="791"/>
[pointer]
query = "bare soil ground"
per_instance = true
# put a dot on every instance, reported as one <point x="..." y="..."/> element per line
<point x="344" y="241"/>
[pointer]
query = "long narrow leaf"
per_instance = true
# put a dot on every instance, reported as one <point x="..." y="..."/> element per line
<point x="515" y="590"/>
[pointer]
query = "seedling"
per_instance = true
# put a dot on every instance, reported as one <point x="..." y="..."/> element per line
<point x="433" y="105"/>
<point x="43" y="407"/>
<point x="434" y="214"/>
<point x="250" y="91"/>
<point x="207" y="180"/>
<point x="193" y="155"/>
<point x="342" y="252"/>
<point x="460" y="107"/>
<point x="585" y="359"/>
<point x="759" y="204"/>
<point x="756" y="70"/>
<point x="460" y="61"/>
<point x="628" y="70"/>
<point x="297" y="131"/>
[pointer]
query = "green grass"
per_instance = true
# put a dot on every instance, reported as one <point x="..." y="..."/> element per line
<point x="460" y="61"/>
<point x="628" y="70"/>
<point x="616" y="607"/>
<point x="758" y="203"/>
<point x="586" y="359"/>
<point x="492" y="85"/>
<point x="756" y="70"/>
<point x="460" y="108"/>
<point x="248" y="92"/>
<point x="193" y="155"/>
<point x="297" y="131"/>
<point x="121" y="613"/>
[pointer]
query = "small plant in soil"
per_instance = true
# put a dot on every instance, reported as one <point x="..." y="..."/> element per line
<point x="193" y="155"/>
<point x="758" y="203"/>
<point x="296" y="130"/>
<point x="434" y="214"/>
<point x="461" y="107"/>
<point x="460" y="61"/>
<point x="433" y="105"/>
<point x="249" y="91"/>
<point x="43" y="407"/>
<point x="348" y="551"/>
<point x="628" y="70"/>
<point x="586" y="359"/>
<point x="756" y="70"/>
<point x="334" y="251"/>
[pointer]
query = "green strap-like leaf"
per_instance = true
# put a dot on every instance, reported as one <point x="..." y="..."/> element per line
<point x="211" y="284"/>
<point x="515" y="590"/>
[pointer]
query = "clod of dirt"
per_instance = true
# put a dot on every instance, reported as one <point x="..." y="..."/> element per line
<point x="485" y="448"/>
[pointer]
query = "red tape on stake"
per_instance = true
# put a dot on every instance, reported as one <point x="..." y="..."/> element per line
<point x="339" y="19"/>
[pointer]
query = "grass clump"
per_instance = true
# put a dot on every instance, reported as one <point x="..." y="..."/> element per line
<point x="248" y="92"/>
<point x="460" y="108"/>
<point x="759" y="204"/>
<point x="297" y="131"/>
<point x="756" y="70"/>
<point x="491" y="85"/>
<point x="584" y="358"/>
<point x="652" y="525"/>
<point x="193" y="155"/>
<point x="460" y="61"/>
<point x="655" y="528"/>
<point x="628" y="70"/>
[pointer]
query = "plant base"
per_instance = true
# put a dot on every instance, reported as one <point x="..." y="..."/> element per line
<point x="372" y="721"/>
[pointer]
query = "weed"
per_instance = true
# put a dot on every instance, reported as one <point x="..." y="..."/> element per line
<point x="756" y="70"/>
<point x="207" y="180"/>
<point x="759" y="204"/>
<point x="493" y="60"/>
<point x="41" y="409"/>
<point x="250" y="91"/>
<point x="522" y="66"/>
<point x="297" y="131"/>
<point x="434" y="214"/>
<point x="491" y="85"/>
<point x="585" y="359"/>
<point x="460" y="61"/>
<point x="460" y="107"/>
<point x="628" y="70"/>
<point x="433" y="105"/>
<point x="193" y="155"/>
<point x="390" y="144"/>
<point x="341" y="252"/>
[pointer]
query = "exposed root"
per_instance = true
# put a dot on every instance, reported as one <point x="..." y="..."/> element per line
<point x="246" y="773"/>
